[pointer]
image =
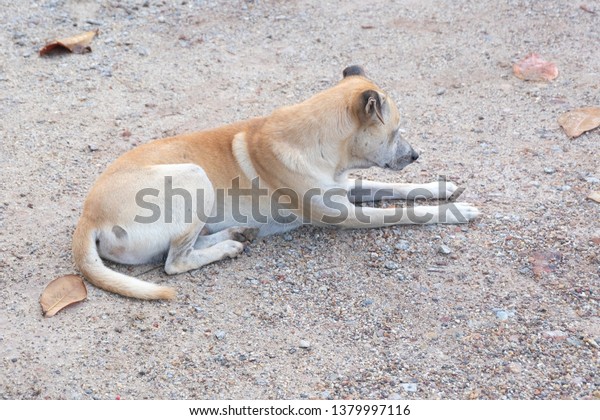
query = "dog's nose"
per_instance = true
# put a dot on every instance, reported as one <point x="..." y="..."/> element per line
<point x="414" y="155"/>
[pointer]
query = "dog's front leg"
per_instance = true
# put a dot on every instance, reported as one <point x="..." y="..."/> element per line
<point x="365" y="191"/>
<point x="346" y="215"/>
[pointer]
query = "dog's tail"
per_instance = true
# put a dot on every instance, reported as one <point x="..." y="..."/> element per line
<point x="88" y="261"/>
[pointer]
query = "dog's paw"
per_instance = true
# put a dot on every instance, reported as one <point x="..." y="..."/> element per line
<point x="231" y="248"/>
<point x="458" y="213"/>
<point x="243" y="234"/>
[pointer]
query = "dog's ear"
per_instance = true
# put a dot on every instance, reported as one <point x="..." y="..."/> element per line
<point x="354" y="71"/>
<point x="371" y="103"/>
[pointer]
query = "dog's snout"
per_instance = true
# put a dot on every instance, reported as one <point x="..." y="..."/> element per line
<point x="414" y="156"/>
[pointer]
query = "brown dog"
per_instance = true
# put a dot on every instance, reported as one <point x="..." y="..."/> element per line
<point x="196" y="198"/>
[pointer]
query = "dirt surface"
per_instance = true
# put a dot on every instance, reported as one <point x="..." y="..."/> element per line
<point x="315" y="313"/>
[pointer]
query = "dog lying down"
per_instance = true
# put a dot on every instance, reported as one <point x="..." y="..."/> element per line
<point x="197" y="198"/>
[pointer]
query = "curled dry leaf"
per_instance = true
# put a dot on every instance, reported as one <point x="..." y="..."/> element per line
<point x="62" y="292"/>
<point x="595" y="196"/>
<point x="77" y="44"/>
<point x="535" y="68"/>
<point x="580" y="120"/>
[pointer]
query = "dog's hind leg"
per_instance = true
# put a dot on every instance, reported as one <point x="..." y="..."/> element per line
<point x="183" y="256"/>
<point x="186" y="218"/>
<point x="238" y="233"/>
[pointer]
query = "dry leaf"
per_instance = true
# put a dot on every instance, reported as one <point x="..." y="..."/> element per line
<point x="595" y="196"/>
<point x="580" y="120"/>
<point x="543" y="262"/>
<point x="62" y="292"/>
<point x="77" y="44"/>
<point x="535" y="68"/>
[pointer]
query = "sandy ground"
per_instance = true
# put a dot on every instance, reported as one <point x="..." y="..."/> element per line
<point x="316" y="313"/>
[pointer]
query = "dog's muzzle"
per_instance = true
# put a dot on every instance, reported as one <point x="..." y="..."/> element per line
<point x="404" y="157"/>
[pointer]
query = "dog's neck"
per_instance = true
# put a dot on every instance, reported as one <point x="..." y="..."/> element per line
<point x="312" y="137"/>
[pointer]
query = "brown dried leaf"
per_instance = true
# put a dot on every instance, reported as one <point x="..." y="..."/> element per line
<point x="77" y="44"/>
<point x="595" y="196"/>
<point x="580" y="120"/>
<point x="62" y="292"/>
<point x="543" y="262"/>
<point x="535" y="68"/>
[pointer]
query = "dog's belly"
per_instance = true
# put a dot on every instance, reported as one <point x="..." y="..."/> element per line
<point x="263" y="215"/>
<point x="264" y="229"/>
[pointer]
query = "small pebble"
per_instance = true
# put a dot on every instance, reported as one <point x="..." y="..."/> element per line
<point x="440" y="91"/>
<point x="502" y="314"/>
<point x="549" y="170"/>
<point x="556" y="335"/>
<point x="514" y="367"/>
<point x="334" y="377"/>
<point x="304" y="344"/>
<point x="252" y="281"/>
<point x="409" y="387"/>
<point x="143" y="52"/>
<point x="391" y="265"/>
<point x="445" y="250"/>
<point x="575" y="342"/>
<point x="367" y="302"/>
<point x="219" y="335"/>
<point x="287" y="237"/>
<point x="402" y="245"/>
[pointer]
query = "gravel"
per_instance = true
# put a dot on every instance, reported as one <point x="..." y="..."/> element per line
<point x="429" y="331"/>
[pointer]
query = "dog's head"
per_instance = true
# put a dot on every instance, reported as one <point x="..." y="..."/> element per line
<point x="377" y="142"/>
